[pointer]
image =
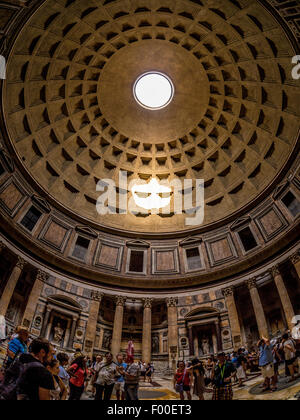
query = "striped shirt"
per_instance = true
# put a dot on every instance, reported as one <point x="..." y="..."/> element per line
<point x="17" y="347"/>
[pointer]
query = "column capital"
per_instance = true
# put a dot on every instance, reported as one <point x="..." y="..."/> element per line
<point x="251" y="283"/>
<point x="120" y="300"/>
<point x="20" y="263"/>
<point x="2" y="246"/>
<point x="97" y="296"/>
<point x="171" y="302"/>
<point x="295" y="258"/>
<point x="41" y="275"/>
<point x="147" y="302"/>
<point x="228" y="291"/>
<point x="275" y="271"/>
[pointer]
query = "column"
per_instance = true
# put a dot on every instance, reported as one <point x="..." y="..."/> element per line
<point x="258" y="308"/>
<point x="172" y="331"/>
<point x="233" y="317"/>
<point x="161" y="345"/>
<point x="33" y="299"/>
<point x="218" y="336"/>
<point x="295" y="259"/>
<point x="45" y="323"/>
<point x="67" y="335"/>
<point x="191" y="341"/>
<point x="73" y="330"/>
<point x="215" y="343"/>
<point x="118" y="326"/>
<point x="10" y="286"/>
<point x="101" y="338"/>
<point x="284" y="297"/>
<point x="147" y="329"/>
<point x="91" y="327"/>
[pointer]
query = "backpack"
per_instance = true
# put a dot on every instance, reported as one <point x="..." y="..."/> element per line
<point x="8" y="388"/>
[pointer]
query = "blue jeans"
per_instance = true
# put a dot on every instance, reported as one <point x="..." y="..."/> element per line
<point x="131" y="392"/>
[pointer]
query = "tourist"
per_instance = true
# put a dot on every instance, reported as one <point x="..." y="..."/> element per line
<point x="223" y="373"/>
<point x="59" y="393"/>
<point x="266" y="363"/>
<point x="132" y="375"/>
<point x="104" y="378"/>
<point x="197" y="369"/>
<point x="143" y="368"/>
<point x="63" y="359"/>
<point x="209" y="368"/>
<point x="120" y="380"/>
<point x="290" y="355"/>
<point x="36" y="382"/>
<point x="17" y="346"/>
<point x="241" y="367"/>
<point x="149" y="372"/>
<point x="78" y="373"/>
<point x="183" y="381"/>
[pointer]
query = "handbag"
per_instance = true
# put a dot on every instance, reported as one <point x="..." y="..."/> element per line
<point x="179" y="387"/>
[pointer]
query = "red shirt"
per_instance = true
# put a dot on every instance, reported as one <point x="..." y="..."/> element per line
<point x="180" y="379"/>
<point x="80" y="375"/>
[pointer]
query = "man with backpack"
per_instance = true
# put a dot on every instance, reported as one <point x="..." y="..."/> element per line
<point x="17" y="346"/>
<point x="27" y="378"/>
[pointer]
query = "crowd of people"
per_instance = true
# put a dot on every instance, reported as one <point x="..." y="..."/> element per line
<point x="33" y="370"/>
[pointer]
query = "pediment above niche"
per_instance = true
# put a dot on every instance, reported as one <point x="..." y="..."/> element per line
<point x="191" y="240"/>
<point x="86" y="230"/>
<point x="40" y="202"/>
<point x="138" y="244"/>
<point x="280" y="189"/>
<point x="240" y="222"/>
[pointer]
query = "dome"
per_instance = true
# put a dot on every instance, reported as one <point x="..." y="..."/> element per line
<point x="73" y="119"/>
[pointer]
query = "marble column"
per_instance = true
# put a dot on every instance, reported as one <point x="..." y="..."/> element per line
<point x="218" y="336"/>
<point x="284" y="297"/>
<point x="258" y="308"/>
<point x="46" y="322"/>
<point x="191" y="341"/>
<point x="118" y="326"/>
<point x="233" y="317"/>
<point x="295" y="259"/>
<point x="215" y="343"/>
<point x="33" y="299"/>
<point x="91" y="327"/>
<point x="101" y="338"/>
<point x="161" y="344"/>
<point x="172" y="330"/>
<point x="147" y="329"/>
<point x="11" y="285"/>
<point x="73" y="330"/>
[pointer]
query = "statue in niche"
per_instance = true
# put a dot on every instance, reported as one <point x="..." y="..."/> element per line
<point x="155" y="344"/>
<point x="107" y="340"/>
<point x="58" y="333"/>
<point x="205" y="345"/>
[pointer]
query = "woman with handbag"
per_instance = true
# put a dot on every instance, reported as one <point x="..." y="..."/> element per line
<point x="183" y="380"/>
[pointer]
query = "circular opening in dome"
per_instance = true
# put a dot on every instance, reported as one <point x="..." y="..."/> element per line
<point x="153" y="90"/>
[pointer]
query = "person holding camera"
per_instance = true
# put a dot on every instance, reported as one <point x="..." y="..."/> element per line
<point x="266" y="363"/>
<point x="223" y="373"/>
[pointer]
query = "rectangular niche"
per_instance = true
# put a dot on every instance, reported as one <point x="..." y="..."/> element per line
<point x="221" y="249"/>
<point x="55" y="234"/>
<point x="270" y="223"/>
<point x="81" y="248"/>
<point x="193" y="259"/>
<point x="291" y="203"/>
<point x="165" y="261"/>
<point x="12" y="197"/>
<point x="109" y="255"/>
<point x="247" y="239"/>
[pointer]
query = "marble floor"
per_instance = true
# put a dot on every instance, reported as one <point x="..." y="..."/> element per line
<point x="165" y="391"/>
